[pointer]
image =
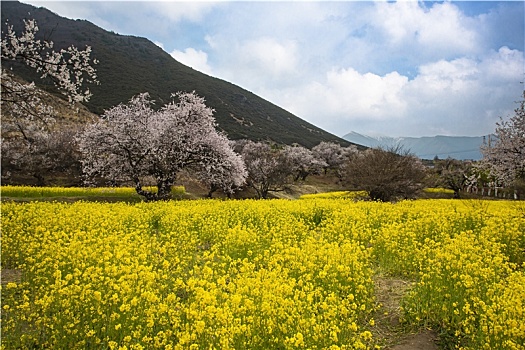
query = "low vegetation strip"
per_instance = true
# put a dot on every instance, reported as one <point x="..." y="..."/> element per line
<point x="336" y="194"/>
<point x="259" y="274"/>
<point x="438" y="190"/>
<point x="80" y="192"/>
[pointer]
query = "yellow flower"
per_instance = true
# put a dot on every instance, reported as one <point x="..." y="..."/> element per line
<point x="299" y="341"/>
<point x="199" y="326"/>
<point x="97" y="295"/>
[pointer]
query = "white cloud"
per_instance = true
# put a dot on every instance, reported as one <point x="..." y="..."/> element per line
<point x="257" y="63"/>
<point x="405" y="68"/>
<point x="195" y="59"/>
<point x="445" y="28"/>
<point x="365" y="94"/>
<point x="462" y="96"/>
<point x="270" y="56"/>
<point x="175" y="11"/>
<point x="445" y="76"/>
<point x="505" y="64"/>
<point x="441" y="30"/>
<point x="260" y="45"/>
<point x="345" y="96"/>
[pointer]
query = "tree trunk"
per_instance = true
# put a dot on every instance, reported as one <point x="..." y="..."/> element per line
<point x="149" y="196"/>
<point x="304" y="175"/>
<point x="164" y="189"/>
<point x="40" y="181"/>
<point x="213" y="188"/>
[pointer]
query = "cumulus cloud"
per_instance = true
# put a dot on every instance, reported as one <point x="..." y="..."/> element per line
<point x="195" y="59"/>
<point x="441" y="30"/>
<point x="445" y="77"/>
<point x="263" y="62"/>
<point x="401" y="68"/>
<point x="269" y="55"/>
<point x="194" y="11"/>
<point x="462" y="96"/>
<point x="504" y="65"/>
<point x="347" y="93"/>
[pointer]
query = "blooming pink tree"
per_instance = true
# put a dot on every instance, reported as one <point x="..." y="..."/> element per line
<point x="225" y="172"/>
<point x="267" y="166"/>
<point x="133" y="142"/>
<point x="505" y="155"/>
<point x="333" y="155"/>
<point x="303" y="162"/>
<point x="69" y="69"/>
<point x="29" y="136"/>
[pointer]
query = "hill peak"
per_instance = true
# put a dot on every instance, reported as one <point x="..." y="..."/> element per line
<point x="130" y="65"/>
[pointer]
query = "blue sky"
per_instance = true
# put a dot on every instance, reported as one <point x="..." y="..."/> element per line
<point x="391" y="68"/>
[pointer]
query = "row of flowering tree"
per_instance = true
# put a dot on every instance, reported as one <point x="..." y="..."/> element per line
<point x="131" y="142"/>
<point x="135" y="143"/>
<point x="271" y="167"/>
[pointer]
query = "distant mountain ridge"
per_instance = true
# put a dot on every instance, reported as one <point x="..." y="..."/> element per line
<point x="457" y="147"/>
<point x="131" y="65"/>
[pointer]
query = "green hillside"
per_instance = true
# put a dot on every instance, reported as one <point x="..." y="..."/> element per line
<point x="130" y="65"/>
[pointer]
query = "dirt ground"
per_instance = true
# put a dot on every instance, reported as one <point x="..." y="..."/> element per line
<point x="389" y="292"/>
<point x="10" y="275"/>
<point x="425" y="340"/>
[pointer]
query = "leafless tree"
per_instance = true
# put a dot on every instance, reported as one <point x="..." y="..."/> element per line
<point x="50" y="154"/>
<point x="386" y="175"/>
<point x="452" y="174"/>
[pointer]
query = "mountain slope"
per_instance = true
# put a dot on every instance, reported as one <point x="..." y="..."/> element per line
<point x="130" y="65"/>
<point x="457" y="147"/>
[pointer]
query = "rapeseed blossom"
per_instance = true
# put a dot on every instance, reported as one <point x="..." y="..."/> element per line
<point x="258" y="274"/>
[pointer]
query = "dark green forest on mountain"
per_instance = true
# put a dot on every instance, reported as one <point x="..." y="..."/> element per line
<point x="131" y="65"/>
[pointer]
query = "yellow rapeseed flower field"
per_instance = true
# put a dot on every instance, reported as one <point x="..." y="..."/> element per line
<point x="258" y="274"/>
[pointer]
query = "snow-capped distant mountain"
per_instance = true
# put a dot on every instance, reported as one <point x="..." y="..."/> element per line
<point x="457" y="147"/>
